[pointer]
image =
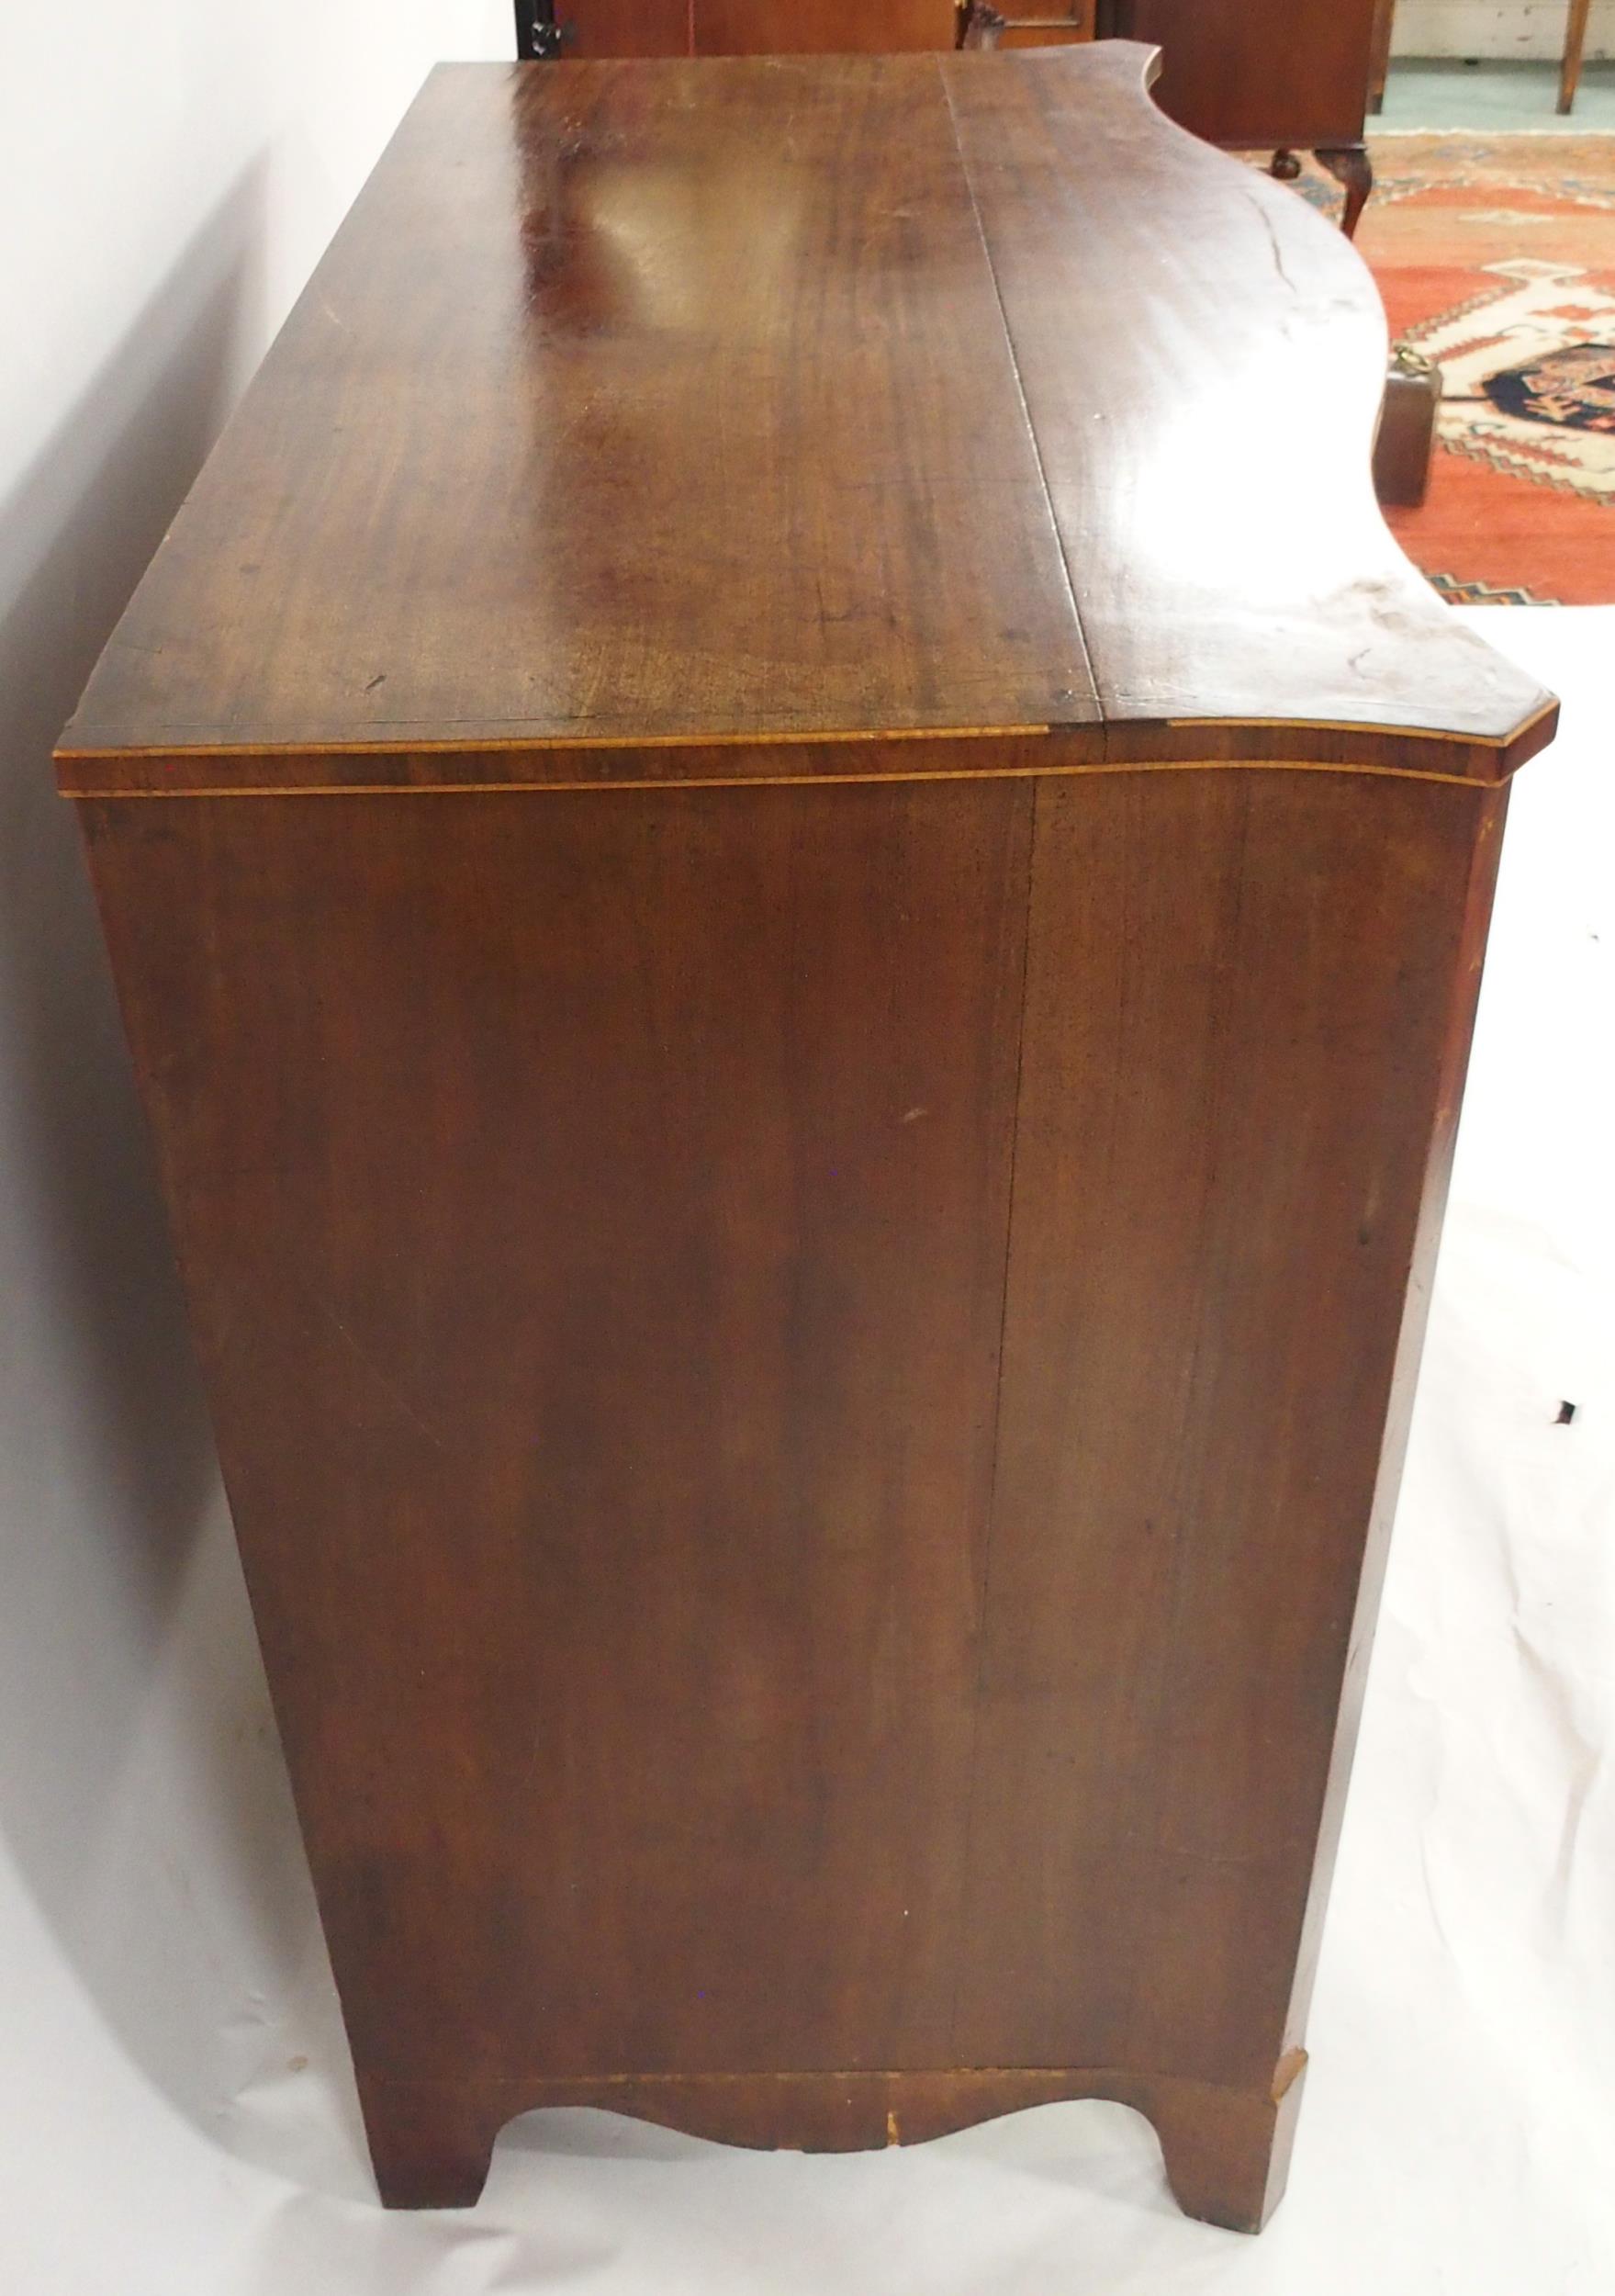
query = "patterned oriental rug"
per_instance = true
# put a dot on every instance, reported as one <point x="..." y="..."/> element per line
<point x="1495" y="257"/>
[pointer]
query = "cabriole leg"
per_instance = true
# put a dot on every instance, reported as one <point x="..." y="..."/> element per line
<point x="1350" y="166"/>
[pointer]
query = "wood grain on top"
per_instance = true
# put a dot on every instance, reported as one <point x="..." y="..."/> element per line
<point x="673" y="402"/>
<point x="1206" y="433"/>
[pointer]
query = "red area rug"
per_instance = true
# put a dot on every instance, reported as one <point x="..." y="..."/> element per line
<point x="1495" y="257"/>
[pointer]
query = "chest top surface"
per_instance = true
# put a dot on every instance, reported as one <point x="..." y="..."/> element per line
<point x="803" y="399"/>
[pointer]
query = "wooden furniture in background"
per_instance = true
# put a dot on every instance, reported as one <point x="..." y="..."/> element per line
<point x="1575" y="24"/>
<point x="1290" y="74"/>
<point x="984" y="26"/>
<point x="1032" y="25"/>
<point x="798" y="887"/>
<point x="1284" y="76"/>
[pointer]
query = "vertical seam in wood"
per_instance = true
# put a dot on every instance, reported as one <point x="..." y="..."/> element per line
<point x="1020" y="392"/>
<point x="985" y="1579"/>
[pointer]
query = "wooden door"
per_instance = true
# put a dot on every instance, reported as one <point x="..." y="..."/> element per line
<point x="810" y="28"/>
<point x="763" y="28"/>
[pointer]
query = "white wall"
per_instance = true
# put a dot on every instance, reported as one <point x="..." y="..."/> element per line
<point x="170" y="170"/>
<point x="1513" y="29"/>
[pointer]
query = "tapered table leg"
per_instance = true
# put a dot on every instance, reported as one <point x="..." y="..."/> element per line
<point x="1574" y="48"/>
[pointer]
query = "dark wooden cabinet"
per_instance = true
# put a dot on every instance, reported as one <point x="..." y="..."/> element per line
<point x="1290" y="75"/>
<point x="1256" y="73"/>
<point x="798" y="887"/>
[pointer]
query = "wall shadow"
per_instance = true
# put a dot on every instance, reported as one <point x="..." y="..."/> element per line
<point x="108" y="1484"/>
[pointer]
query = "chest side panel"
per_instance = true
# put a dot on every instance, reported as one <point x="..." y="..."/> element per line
<point x="594" y="1211"/>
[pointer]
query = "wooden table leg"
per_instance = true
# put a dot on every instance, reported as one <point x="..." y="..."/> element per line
<point x="1575" y="46"/>
<point x="1348" y="163"/>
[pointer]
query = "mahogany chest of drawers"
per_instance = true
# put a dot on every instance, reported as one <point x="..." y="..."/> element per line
<point x="798" y="887"/>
